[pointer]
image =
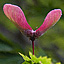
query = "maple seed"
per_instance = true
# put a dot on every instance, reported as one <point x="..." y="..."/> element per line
<point x="16" y="15"/>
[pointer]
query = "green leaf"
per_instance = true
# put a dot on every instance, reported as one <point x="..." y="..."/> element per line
<point x="35" y="60"/>
<point x="6" y="58"/>
<point x="30" y="54"/>
<point x="5" y="48"/>
<point x="25" y="57"/>
<point x="25" y="62"/>
<point x="58" y="63"/>
<point x="45" y="60"/>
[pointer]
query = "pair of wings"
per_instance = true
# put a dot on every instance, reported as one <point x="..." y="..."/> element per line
<point x="16" y="15"/>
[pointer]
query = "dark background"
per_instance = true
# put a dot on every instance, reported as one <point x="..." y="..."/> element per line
<point x="51" y="44"/>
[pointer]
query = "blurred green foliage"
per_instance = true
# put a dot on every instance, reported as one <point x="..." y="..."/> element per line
<point x="51" y="44"/>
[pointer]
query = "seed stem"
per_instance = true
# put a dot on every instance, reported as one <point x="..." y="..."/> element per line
<point x="33" y="47"/>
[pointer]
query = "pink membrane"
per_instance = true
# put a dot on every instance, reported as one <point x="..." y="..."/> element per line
<point x="50" y="20"/>
<point x="15" y="14"/>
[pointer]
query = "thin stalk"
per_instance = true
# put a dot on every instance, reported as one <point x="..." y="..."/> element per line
<point x="33" y="47"/>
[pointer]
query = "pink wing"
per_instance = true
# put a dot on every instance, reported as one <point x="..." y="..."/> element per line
<point x="50" y="20"/>
<point x="16" y="15"/>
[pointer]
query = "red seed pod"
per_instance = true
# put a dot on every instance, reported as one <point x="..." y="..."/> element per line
<point x="16" y="15"/>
